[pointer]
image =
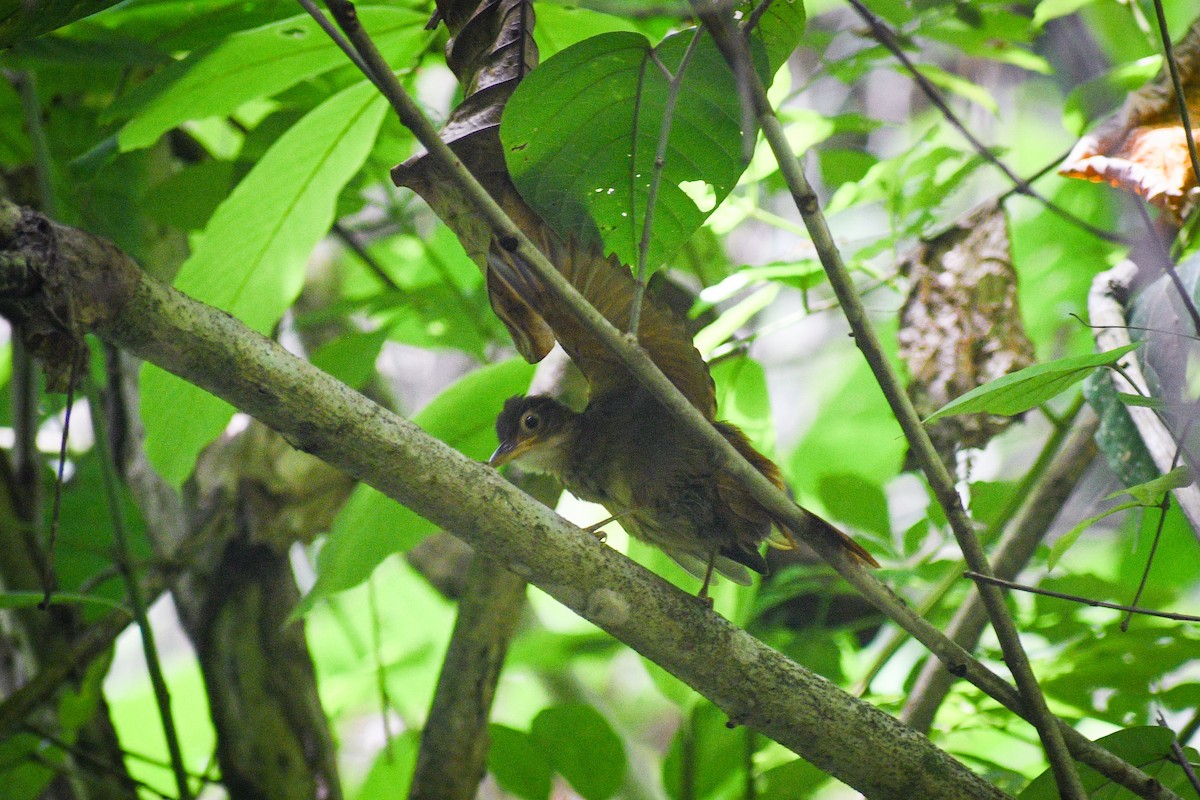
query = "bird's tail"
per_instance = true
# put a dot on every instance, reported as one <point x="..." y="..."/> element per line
<point x="817" y="528"/>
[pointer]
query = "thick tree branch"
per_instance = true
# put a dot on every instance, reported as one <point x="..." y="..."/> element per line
<point x="754" y="684"/>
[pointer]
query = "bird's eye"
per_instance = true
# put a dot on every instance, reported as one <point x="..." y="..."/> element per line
<point x="531" y="422"/>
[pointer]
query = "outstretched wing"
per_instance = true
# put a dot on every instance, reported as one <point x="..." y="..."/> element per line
<point x="608" y="285"/>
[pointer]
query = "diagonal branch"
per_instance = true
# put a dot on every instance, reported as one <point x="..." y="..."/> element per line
<point x="319" y="415"/>
<point x="512" y="239"/>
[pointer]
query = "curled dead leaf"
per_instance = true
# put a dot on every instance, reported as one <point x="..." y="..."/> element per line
<point x="1143" y="147"/>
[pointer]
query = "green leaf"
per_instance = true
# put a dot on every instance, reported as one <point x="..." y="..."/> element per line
<point x="1030" y="387"/>
<point x="792" y="780"/>
<point x="958" y="85"/>
<point x="518" y="763"/>
<point x="251" y="259"/>
<point x="372" y="526"/>
<point x="856" y="500"/>
<point x="1151" y="492"/>
<point x="1147" y="747"/>
<point x="717" y="758"/>
<point x="583" y="748"/>
<point x="393" y="767"/>
<point x="733" y="319"/>
<point x="1053" y="9"/>
<point x="351" y="357"/>
<point x="580" y="135"/>
<point x="260" y="62"/>
<point x="1070" y="537"/>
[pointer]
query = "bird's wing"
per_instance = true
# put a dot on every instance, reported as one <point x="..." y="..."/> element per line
<point x="610" y="288"/>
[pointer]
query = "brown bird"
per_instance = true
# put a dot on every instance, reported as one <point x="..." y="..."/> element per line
<point x="624" y="450"/>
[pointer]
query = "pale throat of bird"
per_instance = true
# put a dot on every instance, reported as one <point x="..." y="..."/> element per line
<point x="551" y="455"/>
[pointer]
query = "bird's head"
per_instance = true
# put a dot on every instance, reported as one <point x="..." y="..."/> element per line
<point x="534" y="432"/>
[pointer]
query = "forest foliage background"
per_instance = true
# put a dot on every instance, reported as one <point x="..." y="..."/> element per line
<point x="233" y="151"/>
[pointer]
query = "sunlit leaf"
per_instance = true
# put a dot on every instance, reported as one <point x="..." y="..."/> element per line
<point x="1068" y="539"/>
<point x="249" y="64"/>
<point x="251" y="259"/>
<point x="1030" y="387"/>
<point x="1151" y="492"/>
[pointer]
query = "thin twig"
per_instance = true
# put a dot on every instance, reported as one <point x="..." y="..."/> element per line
<point x="660" y="159"/>
<point x="347" y="237"/>
<point x="884" y="35"/>
<point x="1180" y="756"/>
<point x="1087" y="601"/>
<point x="1163" y="507"/>
<point x="733" y="47"/>
<point x="1030" y="485"/>
<point x="137" y="600"/>
<point x="385" y="701"/>
<point x="334" y="34"/>
<point x="49" y="576"/>
<point x="1177" y="82"/>
<point x="761" y="489"/>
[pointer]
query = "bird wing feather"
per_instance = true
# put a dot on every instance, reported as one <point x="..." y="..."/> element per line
<point x="610" y="288"/>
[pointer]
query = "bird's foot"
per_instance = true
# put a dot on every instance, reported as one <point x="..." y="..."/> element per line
<point x="705" y="600"/>
<point x="594" y="530"/>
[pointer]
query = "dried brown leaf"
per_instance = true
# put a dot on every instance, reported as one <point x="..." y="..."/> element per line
<point x="1143" y="147"/>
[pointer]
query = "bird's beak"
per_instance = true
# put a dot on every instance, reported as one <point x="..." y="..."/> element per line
<point x="506" y="452"/>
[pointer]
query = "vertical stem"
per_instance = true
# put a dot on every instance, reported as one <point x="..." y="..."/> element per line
<point x="733" y="48"/>
<point x="112" y="494"/>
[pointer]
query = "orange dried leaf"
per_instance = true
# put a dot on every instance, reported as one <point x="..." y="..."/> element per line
<point x="1143" y="147"/>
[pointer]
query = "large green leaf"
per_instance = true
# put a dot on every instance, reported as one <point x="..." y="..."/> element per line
<point x="583" y="748"/>
<point x="1030" y="387"/>
<point x="372" y="526"/>
<point x="518" y="763"/>
<point x="254" y="63"/>
<point x="580" y="135"/>
<point x="251" y="259"/>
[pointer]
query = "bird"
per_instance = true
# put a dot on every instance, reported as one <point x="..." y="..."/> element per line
<point x="625" y="450"/>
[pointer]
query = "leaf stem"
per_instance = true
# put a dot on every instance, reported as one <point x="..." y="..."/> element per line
<point x="660" y="159"/>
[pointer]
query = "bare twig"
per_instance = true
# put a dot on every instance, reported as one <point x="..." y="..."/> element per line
<point x="733" y="47"/>
<point x="1087" y="601"/>
<point x="1181" y="757"/>
<point x="137" y="599"/>
<point x="1180" y="95"/>
<point x="1163" y="507"/>
<point x="884" y="35"/>
<point x="1041" y="503"/>
<point x="1033" y="481"/>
